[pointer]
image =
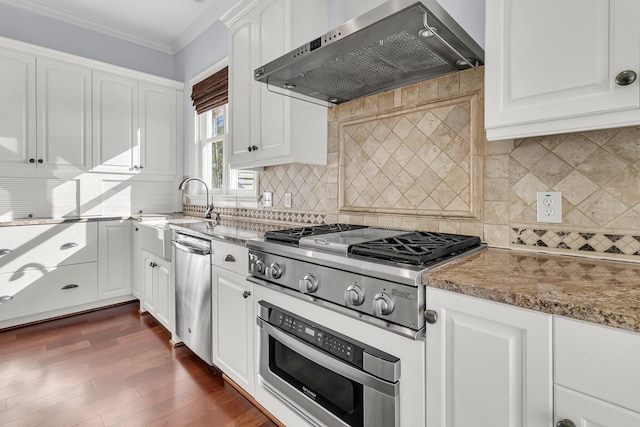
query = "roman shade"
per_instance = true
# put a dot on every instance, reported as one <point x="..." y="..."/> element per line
<point x="211" y="92"/>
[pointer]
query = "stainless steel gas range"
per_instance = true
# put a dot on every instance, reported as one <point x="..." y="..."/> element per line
<point x="370" y="273"/>
<point x="340" y="318"/>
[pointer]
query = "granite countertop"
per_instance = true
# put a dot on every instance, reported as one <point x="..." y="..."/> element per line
<point x="206" y="230"/>
<point x="86" y="218"/>
<point x="195" y="226"/>
<point x="599" y="291"/>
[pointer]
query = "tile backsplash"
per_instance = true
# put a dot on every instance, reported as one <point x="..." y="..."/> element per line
<point x="417" y="158"/>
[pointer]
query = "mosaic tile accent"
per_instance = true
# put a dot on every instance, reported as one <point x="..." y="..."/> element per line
<point x="413" y="161"/>
<point x="602" y="243"/>
<point x="247" y="215"/>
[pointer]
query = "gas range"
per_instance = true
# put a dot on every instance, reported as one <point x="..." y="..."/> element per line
<point x="373" y="274"/>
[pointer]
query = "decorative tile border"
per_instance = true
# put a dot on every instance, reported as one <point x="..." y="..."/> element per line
<point x="261" y="215"/>
<point x="604" y="243"/>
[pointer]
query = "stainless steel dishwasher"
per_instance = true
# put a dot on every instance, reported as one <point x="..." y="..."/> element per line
<point x="193" y="294"/>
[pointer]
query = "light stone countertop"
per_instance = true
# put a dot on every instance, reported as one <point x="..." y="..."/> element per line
<point x="201" y="227"/>
<point x="598" y="291"/>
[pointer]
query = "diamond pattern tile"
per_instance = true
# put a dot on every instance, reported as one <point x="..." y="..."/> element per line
<point x="412" y="161"/>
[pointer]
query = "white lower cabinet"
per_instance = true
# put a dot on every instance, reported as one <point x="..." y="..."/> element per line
<point x="157" y="284"/>
<point x="597" y="375"/>
<point x="114" y="258"/>
<point x="233" y="316"/>
<point x="136" y="284"/>
<point x="586" y="411"/>
<point x="32" y="291"/>
<point x="487" y="364"/>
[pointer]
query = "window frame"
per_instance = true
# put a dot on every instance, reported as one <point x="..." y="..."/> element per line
<point x="225" y="197"/>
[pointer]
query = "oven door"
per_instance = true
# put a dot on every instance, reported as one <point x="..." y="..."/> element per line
<point x="332" y="391"/>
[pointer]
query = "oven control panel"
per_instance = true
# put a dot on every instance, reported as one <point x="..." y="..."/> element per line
<point x="318" y="337"/>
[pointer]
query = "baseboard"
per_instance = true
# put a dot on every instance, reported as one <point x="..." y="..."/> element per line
<point x="252" y="400"/>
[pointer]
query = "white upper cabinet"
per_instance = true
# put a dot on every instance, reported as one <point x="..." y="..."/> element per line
<point x="134" y="125"/>
<point x="158" y="124"/>
<point x="269" y="128"/>
<point x="551" y="66"/>
<point x="64" y="115"/>
<point x="18" y="108"/>
<point x="115" y="123"/>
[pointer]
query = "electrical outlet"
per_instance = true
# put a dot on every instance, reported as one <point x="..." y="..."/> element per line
<point x="267" y="199"/>
<point x="287" y="200"/>
<point x="549" y="207"/>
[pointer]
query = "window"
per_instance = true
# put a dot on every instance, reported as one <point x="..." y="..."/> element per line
<point x="211" y="154"/>
<point x="212" y="132"/>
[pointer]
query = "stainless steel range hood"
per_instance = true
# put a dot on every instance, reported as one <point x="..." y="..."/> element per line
<point x="398" y="43"/>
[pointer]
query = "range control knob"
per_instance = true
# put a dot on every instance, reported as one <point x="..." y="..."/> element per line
<point x="353" y="295"/>
<point x="276" y="270"/>
<point x="308" y="284"/>
<point x="382" y="304"/>
<point x="259" y="267"/>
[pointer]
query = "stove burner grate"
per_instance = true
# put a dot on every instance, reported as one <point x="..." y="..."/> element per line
<point x="293" y="235"/>
<point x="416" y="248"/>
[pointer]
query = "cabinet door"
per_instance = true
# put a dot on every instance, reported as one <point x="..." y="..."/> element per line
<point x="115" y="123"/>
<point x="585" y="411"/>
<point x="157" y="117"/>
<point x="136" y="271"/>
<point x="147" y="271"/>
<point x="488" y="364"/>
<point x="233" y="321"/>
<point x="546" y="62"/>
<point x="64" y="115"/>
<point x="242" y="88"/>
<point x="17" y="108"/>
<point x="274" y="30"/>
<point x="114" y="262"/>
<point x="164" y="293"/>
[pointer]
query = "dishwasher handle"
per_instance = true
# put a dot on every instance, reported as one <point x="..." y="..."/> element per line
<point x="191" y="249"/>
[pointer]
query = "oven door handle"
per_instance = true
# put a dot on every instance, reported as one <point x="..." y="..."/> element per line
<point x="330" y="362"/>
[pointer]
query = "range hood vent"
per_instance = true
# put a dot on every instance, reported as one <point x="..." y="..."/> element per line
<point x="396" y="44"/>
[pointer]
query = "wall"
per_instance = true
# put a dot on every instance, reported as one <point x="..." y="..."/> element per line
<point x="40" y="30"/>
<point x="597" y="172"/>
<point x="207" y="49"/>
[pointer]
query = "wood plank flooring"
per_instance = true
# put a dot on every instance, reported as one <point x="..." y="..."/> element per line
<point x="113" y="367"/>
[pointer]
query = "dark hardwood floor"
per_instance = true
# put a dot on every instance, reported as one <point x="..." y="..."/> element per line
<point x="112" y="367"/>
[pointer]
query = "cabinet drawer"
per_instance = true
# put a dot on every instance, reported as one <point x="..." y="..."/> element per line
<point x="599" y="361"/>
<point x="37" y="291"/>
<point x="586" y="411"/>
<point x="231" y="257"/>
<point x="47" y="245"/>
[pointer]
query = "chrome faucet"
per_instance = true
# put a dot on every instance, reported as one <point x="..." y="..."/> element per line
<point x="209" y="210"/>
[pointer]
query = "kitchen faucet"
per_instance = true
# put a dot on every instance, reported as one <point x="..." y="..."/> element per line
<point x="209" y="210"/>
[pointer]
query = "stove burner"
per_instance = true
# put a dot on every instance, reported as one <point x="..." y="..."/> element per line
<point x="416" y="248"/>
<point x="293" y="235"/>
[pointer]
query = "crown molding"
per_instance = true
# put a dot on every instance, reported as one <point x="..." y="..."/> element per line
<point x="204" y="21"/>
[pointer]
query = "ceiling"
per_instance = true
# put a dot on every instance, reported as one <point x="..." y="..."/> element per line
<point x="164" y="25"/>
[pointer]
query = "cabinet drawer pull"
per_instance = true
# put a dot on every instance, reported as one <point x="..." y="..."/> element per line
<point x="565" y="423"/>
<point x="5" y="251"/>
<point x="68" y="246"/>
<point x="431" y="316"/>
<point x="230" y="258"/>
<point x="5" y="298"/>
<point x="246" y="294"/>
<point x="626" y="77"/>
<point x="71" y="286"/>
